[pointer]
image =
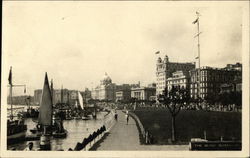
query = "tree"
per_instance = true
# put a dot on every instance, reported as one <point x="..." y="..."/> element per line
<point x="174" y="99"/>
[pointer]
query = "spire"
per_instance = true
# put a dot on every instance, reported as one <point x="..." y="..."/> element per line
<point x="45" y="113"/>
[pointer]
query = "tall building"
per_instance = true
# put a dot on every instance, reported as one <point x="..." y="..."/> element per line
<point x="104" y="91"/>
<point x="179" y="78"/>
<point x="164" y="70"/>
<point x="211" y="80"/>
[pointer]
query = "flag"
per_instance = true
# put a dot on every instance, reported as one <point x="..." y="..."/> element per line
<point x="25" y="89"/>
<point x="197" y="58"/>
<point x="10" y="76"/>
<point x="196" y="21"/>
<point x="158" y="52"/>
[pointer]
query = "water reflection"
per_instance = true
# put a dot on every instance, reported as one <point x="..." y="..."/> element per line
<point x="77" y="131"/>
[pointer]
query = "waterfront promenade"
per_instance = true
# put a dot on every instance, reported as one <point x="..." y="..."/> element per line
<point x="126" y="137"/>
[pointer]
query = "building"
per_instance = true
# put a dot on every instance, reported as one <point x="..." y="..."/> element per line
<point x="165" y="69"/>
<point x="86" y="94"/>
<point x="143" y="93"/>
<point x="179" y="78"/>
<point x="21" y="100"/>
<point x="211" y="80"/>
<point x="123" y="95"/>
<point x="104" y="91"/>
<point x="59" y="96"/>
<point x="234" y="86"/>
<point x="123" y="92"/>
<point x="237" y="66"/>
<point x="37" y="96"/>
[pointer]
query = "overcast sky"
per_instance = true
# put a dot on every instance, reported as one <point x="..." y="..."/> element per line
<point x="77" y="42"/>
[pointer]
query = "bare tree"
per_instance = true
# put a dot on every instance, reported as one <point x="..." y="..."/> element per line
<point x="174" y="99"/>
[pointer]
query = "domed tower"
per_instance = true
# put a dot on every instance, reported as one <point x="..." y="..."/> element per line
<point x="159" y="60"/>
<point x="166" y="60"/>
<point x="106" y="80"/>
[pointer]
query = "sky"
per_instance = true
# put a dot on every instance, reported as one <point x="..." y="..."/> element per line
<point x="76" y="42"/>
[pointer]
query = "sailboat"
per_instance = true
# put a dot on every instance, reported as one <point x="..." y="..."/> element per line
<point x="85" y="115"/>
<point x="77" y="113"/>
<point x="16" y="129"/>
<point x="45" y="125"/>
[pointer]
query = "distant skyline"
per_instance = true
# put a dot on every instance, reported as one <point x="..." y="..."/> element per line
<point x="76" y="42"/>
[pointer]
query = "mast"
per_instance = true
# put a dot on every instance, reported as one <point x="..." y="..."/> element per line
<point x="10" y="83"/>
<point x="11" y="88"/>
<point x="52" y="91"/>
<point x="198" y="36"/>
<point x="62" y="94"/>
<point x="198" y="46"/>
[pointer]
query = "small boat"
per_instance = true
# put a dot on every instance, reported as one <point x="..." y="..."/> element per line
<point x="86" y="118"/>
<point x="16" y="130"/>
<point x="77" y="118"/>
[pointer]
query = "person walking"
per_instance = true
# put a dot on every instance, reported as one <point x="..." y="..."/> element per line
<point x="127" y="117"/>
<point x="116" y="116"/>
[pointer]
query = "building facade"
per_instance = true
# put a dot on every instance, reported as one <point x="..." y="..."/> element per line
<point x="164" y="70"/>
<point x="179" y="78"/>
<point x="37" y="96"/>
<point x="59" y="96"/>
<point x="211" y="80"/>
<point x="104" y="91"/>
<point x="143" y="93"/>
<point x="123" y="92"/>
<point x="21" y="100"/>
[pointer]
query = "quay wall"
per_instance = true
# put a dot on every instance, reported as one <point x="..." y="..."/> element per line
<point x="93" y="138"/>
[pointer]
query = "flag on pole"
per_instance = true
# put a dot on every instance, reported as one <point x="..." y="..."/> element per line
<point x="158" y="52"/>
<point x="194" y="22"/>
<point x="10" y="76"/>
<point x="197" y="58"/>
<point x="25" y="89"/>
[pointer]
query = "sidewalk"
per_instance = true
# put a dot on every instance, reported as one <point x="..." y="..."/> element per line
<point x="126" y="137"/>
<point x="122" y="136"/>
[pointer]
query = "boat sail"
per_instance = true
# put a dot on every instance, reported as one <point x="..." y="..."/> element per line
<point x="45" y="111"/>
<point x="85" y="115"/>
<point x="80" y="100"/>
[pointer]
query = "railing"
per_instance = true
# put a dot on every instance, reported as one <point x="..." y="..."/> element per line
<point x="93" y="138"/>
<point x="88" y="142"/>
<point x="144" y="135"/>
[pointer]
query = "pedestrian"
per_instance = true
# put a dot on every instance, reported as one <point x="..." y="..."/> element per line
<point x="29" y="147"/>
<point x="116" y="116"/>
<point x="127" y="118"/>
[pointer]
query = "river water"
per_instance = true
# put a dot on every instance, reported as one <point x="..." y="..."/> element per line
<point x="77" y="131"/>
